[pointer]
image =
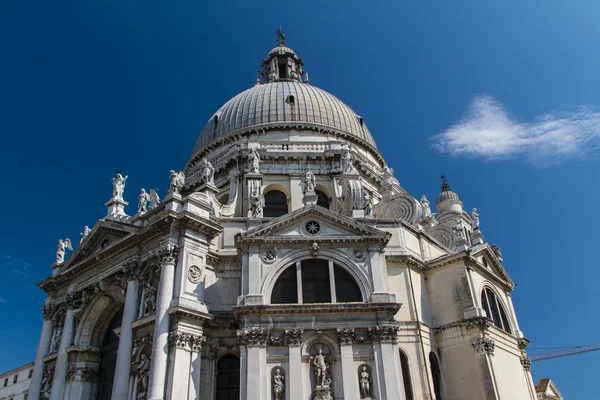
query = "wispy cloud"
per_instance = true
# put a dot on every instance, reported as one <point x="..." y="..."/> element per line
<point x="488" y="131"/>
<point x="17" y="266"/>
<point x="3" y="300"/>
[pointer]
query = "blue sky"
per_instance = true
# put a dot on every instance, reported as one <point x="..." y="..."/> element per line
<point x="501" y="96"/>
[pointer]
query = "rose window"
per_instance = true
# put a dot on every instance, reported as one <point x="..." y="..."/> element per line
<point x="312" y="227"/>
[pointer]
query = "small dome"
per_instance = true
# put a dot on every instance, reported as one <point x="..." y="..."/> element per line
<point x="448" y="201"/>
<point x="448" y="195"/>
<point x="281" y="50"/>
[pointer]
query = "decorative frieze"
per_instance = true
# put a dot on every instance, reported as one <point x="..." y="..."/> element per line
<point x="253" y="337"/>
<point x="484" y="346"/>
<point x="526" y="363"/>
<point x="82" y="373"/>
<point x="294" y="336"/>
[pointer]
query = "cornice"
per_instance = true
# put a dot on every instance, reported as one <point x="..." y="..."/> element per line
<point x="315" y="308"/>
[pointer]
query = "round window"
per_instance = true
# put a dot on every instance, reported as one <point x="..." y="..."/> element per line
<point x="312" y="227"/>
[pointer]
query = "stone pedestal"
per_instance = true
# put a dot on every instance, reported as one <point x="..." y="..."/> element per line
<point x="116" y="208"/>
<point x="310" y="198"/>
<point x="476" y="237"/>
<point x="209" y="188"/>
<point x="322" y="393"/>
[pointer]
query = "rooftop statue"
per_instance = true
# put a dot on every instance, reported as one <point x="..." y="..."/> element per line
<point x="62" y="250"/>
<point x="208" y="171"/>
<point x="118" y="185"/>
<point x="177" y="182"/>
<point x="143" y="201"/>
<point x="474" y="220"/>
<point x="86" y="231"/>
<point x="426" y="207"/>
<point x="154" y="199"/>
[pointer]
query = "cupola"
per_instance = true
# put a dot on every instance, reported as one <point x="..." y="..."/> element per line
<point x="448" y="201"/>
<point x="282" y="64"/>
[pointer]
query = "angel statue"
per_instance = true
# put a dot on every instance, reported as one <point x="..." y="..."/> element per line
<point x="143" y="201"/>
<point x="278" y="384"/>
<point x="86" y="231"/>
<point x="309" y="182"/>
<point x="154" y="199"/>
<point x="177" y="182"/>
<point x="208" y="171"/>
<point x="254" y="161"/>
<point x="62" y="250"/>
<point x="118" y="185"/>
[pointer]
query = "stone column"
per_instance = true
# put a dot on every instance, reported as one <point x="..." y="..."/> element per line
<point x="158" y="366"/>
<point x="80" y="380"/>
<point x="294" y="379"/>
<point x="388" y="376"/>
<point x="179" y="366"/>
<point x="196" y="343"/>
<point x="43" y="347"/>
<point x="349" y="373"/>
<point x="62" y="359"/>
<point x="484" y="348"/>
<point x="255" y="342"/>
<point x="123" y="368"/>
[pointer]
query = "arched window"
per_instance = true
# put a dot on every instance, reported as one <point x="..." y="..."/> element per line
<point x="316" y="284"/>
<point x="322" y="199"/>
<point x="228" y="378"/>
<point x="108" y="358"/>
<point x="275" y="204"/>
<point x="406" y="376"/>
<point x="494" y="309"/>
<point x="436" y="375"/>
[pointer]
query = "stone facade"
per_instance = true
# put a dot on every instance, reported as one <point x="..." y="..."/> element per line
<point x="15" y="384"/>
<point x="286" y="262"/>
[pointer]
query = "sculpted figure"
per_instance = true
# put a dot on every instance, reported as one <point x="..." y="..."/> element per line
<point x="309" y="182"/>
<point x="365" y="382"/>
<point x="56" y="339"/>
<point x="320" y="369"/>
<point x="177" y="181"/>
<point x="62" y="250"/>
<point x="426" y="207"/>
<point x="118" y="185"/>
<point x="474" y="220"/>
<point x="47" y="383"/>
<point x="149" y="299"/>
<point x="154" y="199"/>
<point x="347" y="165"/>
<point x="254" y="161"/>
<point x="256" y="204"/>
<point x="208" y="171"/>
<point x="143" y="201"/>
<point x="143" y="374"/>
<point x="86" y="231"/>
<point x="368" y="205"/>
<point x="278" y="384"/>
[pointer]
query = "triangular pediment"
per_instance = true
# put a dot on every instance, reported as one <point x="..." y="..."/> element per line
<point x="317" y="223"/>
<point x="101" y="238"/>
<point x="553" y="391"/>
<point x="490" y="261"/>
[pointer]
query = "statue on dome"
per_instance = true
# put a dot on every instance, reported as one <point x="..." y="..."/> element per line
<point x="86" y="231"/>
<point x="388" y="176"/>
<point x="309" y="182"/>
<point x="368" y="204"/>
<point x="425" y="207"/>
<point x="143" y="199"/>
<point x="347" y="165"/>
<point x="154" y="199"/>
<point x="254" y="161"/>
<point x="280" y="37"/>
<point x="119" y="185"/>
<point x="474" y="220"/>
<point x="177" y="182"/>
<point x="208" y="172"/>
<point x="62" y="250"/>
<point x="278" y="384"/>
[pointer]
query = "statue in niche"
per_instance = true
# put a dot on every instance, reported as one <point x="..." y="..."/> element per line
<point x="143" y="375"/>
<point x="368" y="204"/>
<point x="254" y="161"/>
<point x="474" y="220"/>
<point x="63" y="246"/>
<point x="278" y="384"/>
<point x="426" y="207"/>
<point x="256" y="204"/>
<point x="365" y="383"/>
<point x="56" y="339"/>
<point x="47" y="383"/>
<point x="321" y="369"/>
<point x="154" y="199"/>
<point x="177" y="181"/>
<point x="149" y="299"/>
<point x="119" y="185"/>
<point x="208" y="171"/>
<point x="143" y="201"/>
<point x="86" y="231"/>
<point x="309" y="182"/>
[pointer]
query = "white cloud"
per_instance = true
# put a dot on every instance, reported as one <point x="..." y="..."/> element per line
<point x="3" y="300"/>
<point x="488" y="131"/>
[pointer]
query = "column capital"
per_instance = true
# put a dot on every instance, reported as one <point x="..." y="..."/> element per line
<point x="526" y="363"/>
<point x="131" y="269"/>
<point x="48" y="311"/>
<point x="83" y="373"/>
<point x="253" y="337"/>
<point x="197" y="342"/>
<point x="168" y="255"/>
<point x="484" y="345"/>
<point x="345" y="335"/>
<point x="294" y="336"/>
<point x="186" y="341"/>
<point x="383" y="333"/>
<point x="70" y="300"/>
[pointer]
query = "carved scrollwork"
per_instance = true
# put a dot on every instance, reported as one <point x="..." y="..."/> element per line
<point x="401" y="206"/>
<point x="186" y="341"/>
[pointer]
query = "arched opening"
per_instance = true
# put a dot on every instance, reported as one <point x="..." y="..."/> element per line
<point x="228" y="378"/>
<point x="215" y="126"/>
<point x="316" y="286"/>
<point x="275" y="204"/>
<point x="494" y="310"/>
<point x="436" y="375"/>
<point x="406" y="376"/>
<point x="224" y="199"/>
<point x="322" y="199"/>
<point x="108" y="358"/>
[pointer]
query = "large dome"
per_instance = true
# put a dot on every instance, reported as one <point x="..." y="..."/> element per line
<point x="279" y="102"/>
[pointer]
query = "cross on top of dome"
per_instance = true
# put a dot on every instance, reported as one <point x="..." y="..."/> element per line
<point x="282" y="64"/>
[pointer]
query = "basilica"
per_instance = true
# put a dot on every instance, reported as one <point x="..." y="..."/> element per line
<point x="286" y="262"/>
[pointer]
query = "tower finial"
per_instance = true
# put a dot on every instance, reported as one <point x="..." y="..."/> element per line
<point x="445" y="186"/>
<point x="280" y="37"/>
